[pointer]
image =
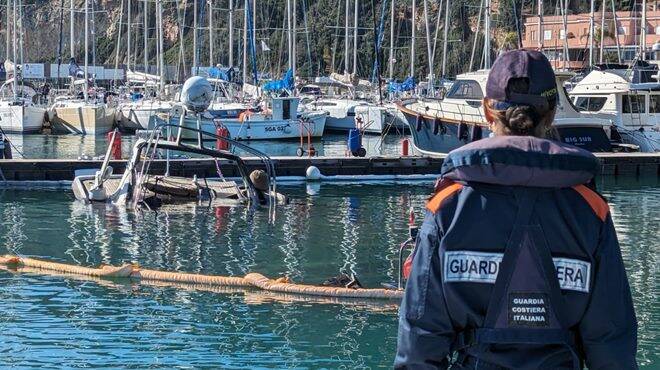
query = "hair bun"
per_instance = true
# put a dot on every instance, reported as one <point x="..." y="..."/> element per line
<point x="521" y="119"/>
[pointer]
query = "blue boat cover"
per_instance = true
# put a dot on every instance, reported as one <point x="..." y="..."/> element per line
<point x="286" y="83"/>
<point x="407" y="85"/>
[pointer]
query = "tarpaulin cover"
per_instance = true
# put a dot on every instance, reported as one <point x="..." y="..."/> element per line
<point x="407" y="85"/>
<point x="286" y="83"/>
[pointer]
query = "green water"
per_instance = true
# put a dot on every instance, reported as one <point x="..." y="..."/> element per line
<point x="67" y="322"/>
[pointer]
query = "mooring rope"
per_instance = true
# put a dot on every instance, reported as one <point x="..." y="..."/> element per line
<point x="251" y="280"/>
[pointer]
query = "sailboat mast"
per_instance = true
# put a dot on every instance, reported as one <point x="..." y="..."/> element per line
<point x="428" y="43"/>
<point x="486" y="34"/>
<point x="231" y="33"/>
<point x="391" y="60"/>
<point x="540" y="30"/>
<point x="445" y="41"/>
<point x="602" y="33"/>
<point x="128" y="38"/>
<point x="8" y="33"/>
<point x="210" y="2"/>
<point x="146" y="30"/>
<point x="412" y="43"/>
<point x="86" y="49"/>
<point x="245" y="26"/>
<point x="642" y="35"/>
<point x="346" y="40"/>
<point x="161" y="54"/>
<point x="195" y="61"/>
<point x="355" y="37"/>
<point x="591" y="35"/>
<point x="294" y="42"/>
<point x="289" y="38"/>
<point x="13" y="35"/>
<point x="71" y="21"/>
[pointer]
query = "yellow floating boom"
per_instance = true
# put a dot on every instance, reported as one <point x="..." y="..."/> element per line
<point x="251" y="280"/>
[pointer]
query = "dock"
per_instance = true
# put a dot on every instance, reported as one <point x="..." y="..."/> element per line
<point x="611" y="164"/>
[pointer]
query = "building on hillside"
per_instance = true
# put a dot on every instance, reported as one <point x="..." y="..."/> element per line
<point x="576" y="37"/>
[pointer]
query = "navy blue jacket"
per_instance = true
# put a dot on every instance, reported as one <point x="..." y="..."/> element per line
<point x="468" y="225"/>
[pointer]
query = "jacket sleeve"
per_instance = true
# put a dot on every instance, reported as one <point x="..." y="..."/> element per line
<point x="609" y="326"/>
<point x="425" y="330"/>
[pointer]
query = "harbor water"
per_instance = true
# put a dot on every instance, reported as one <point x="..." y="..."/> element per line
<point x="64" y="322"/>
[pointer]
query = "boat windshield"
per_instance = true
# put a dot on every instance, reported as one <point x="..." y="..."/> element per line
<point x="465" y="89"/>
<point x="590" y="103"/>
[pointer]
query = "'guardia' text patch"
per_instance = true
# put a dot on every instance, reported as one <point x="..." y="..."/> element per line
<point x="480" y="267"/>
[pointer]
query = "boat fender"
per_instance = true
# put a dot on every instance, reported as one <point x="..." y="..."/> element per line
<point x="418" y="122"/>
<point x="438" y="127"/>
<point x="313" y="173"/>
<point x="6" y="149"/>
<point x="475" y="133"/>
<point x="462" y="131"/>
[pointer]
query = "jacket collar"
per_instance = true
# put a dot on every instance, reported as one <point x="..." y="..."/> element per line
<point x="520" y="161"/>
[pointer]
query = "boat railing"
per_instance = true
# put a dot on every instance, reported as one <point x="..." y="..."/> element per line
<point x="156" y="141"/>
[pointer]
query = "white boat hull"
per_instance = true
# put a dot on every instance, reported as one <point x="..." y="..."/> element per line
<point x="86" y="120"/>
<point x="262" y="129"/>
<point x="141" y="116"/>
<point x="21" y="119"/>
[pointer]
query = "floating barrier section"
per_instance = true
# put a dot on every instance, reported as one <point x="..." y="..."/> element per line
<point x="251" y="280"/>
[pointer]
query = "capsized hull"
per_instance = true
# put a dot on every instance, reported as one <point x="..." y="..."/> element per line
<point x="86" y="120"/>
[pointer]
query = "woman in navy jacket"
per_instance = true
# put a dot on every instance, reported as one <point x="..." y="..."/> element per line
<point x="517" y="263"/>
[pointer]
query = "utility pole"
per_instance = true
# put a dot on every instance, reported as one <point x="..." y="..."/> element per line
<point x="391" y="60"/>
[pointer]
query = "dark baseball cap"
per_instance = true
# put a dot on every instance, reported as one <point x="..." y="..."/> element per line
<point x="531" y="65"/>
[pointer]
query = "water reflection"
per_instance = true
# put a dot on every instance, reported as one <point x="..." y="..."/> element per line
<point x="75" y="146"/>
<point x="70" y="322"/>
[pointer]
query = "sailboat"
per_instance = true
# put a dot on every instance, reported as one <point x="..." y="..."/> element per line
<point x="18" y="114"/>
<point x="82" y="114"/>
<point x="140" y="112"/>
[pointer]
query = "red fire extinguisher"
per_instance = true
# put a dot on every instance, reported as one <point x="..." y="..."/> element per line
<point x="116" y="144"/>
<point x="221" y="144"/>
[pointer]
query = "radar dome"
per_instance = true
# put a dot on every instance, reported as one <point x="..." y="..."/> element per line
<point x="196" y="94"/>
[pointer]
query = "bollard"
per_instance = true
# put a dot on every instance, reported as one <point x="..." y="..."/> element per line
<point x="405" y="147"/>
<point x="116" y="144"/>
<point x="219" y="143"/>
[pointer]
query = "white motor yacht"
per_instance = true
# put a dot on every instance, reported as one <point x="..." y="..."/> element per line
<point x="438" y="126"/>
<point x="633" y="106"/>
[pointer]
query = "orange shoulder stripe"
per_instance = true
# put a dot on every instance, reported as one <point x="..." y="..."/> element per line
<point x="434" y="204"/>
<point x="600" y="207"/>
